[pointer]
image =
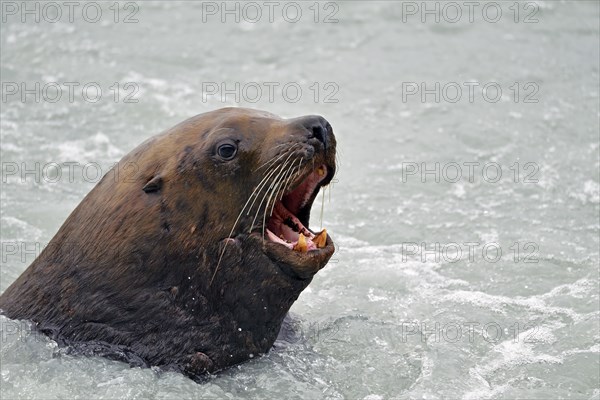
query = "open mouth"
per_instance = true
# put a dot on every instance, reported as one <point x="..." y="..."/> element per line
<point x="288" y="224"/>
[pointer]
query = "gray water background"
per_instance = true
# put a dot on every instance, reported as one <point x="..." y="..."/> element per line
<point x="382" y="320"/>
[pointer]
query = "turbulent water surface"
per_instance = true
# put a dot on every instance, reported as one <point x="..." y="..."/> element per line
<point x="467" y="219"/>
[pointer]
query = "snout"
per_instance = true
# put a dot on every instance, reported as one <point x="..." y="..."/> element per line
<point x="317" y="129"/>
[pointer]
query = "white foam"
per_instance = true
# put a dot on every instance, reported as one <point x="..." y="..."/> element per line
<point x="97" y="148"/>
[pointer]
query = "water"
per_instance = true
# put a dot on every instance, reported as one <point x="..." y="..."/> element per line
<point x="385" y="318"/>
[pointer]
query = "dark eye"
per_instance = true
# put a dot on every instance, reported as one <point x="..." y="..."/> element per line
<point x="227" y="151"/>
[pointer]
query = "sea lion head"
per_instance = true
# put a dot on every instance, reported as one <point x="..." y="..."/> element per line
<point x="190" y="252"/>
<point x="257" y="176"/>
<point x="230" y="193"/>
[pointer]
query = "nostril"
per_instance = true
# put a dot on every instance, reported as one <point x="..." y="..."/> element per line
<point x="318" y="132"/>
<point x="317" y="128"/>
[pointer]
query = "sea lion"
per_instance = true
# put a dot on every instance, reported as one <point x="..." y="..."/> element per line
<point x="191" y="260"/>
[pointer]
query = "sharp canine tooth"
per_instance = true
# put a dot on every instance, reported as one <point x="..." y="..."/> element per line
<point x="321" y="171"/>
<point x="301" y="246"/>
<point x="320" y="239"/>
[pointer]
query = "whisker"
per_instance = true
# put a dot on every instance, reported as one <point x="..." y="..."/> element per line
<point x="271" y="161"/>
<point x="279" y="190"/>
<point x="291" y="149"/>
<point x="287" y="177"/>
<point x="281" y="184"/>
<point x="270" y="188"/>
<point x="260" y="184"/>
<point x="280" y="166"/>
<point x="291" y="178"/>
<point x="274" y="191"/>
<point x="270" y="183"/>
<point x="300" y="161"/>
<point x="323" y="206"/>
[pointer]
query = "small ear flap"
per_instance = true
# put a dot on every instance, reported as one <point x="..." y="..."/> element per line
<point x="153" y="185"/>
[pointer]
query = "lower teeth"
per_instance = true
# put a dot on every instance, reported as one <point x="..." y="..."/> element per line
<point x="319" y="241"/>
<point x="301" y="245"/>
